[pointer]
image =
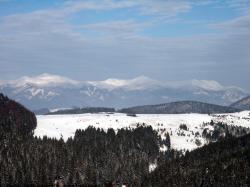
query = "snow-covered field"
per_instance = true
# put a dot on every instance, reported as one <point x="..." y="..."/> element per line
<point x="65" y="125"/>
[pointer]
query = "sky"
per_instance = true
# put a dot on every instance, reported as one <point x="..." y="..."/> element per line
<point x="167" y="40"/>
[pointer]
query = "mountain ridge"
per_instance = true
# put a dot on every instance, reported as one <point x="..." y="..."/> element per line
<point x="54" y="91"/>
<point x="243" y="104"/>
<point x="180" y="107"/>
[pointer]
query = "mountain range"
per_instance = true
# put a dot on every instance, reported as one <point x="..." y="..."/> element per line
<point x="53" y="91"/>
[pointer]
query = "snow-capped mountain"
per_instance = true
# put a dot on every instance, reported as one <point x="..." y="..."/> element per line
<point x="53" y="91"/>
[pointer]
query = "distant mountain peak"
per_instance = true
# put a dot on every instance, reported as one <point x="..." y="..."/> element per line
<point x="138" y="83"/>
<point x="115" y="82"/>
<point x="208" y="85"/>
<point x="43" y="80"/>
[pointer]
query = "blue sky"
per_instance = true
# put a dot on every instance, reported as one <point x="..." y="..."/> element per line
<point x="95" y="40"/>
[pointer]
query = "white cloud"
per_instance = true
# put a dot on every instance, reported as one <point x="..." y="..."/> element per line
<point x="123" y="29"/>
<point x="237" y="25"/>
<point x="53" y="20"/>
<point x="43" y="40"/>
<point x="241" y="5"/>
<point x="164" y="8"/>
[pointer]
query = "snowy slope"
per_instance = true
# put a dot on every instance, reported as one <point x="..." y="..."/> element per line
<point x="65" y="125"/>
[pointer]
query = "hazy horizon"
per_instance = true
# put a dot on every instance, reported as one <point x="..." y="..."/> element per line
<point x="98" y="40"/>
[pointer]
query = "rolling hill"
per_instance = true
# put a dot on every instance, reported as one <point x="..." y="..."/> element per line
<point x="179" y="108"/>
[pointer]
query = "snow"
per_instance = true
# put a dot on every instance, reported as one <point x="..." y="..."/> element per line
<point x="58" y="109"/>
<point x="238" y="119"/>
<point x="43" y="80"/>
<point x="152" y="167"/>
<point x="64" y="126"/>
<point x="40" y="93"/>
<point x="208" y="85"/>
<point x="138" y="83"/>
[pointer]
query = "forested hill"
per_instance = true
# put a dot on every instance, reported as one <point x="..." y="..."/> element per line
<point x="15" y="118"/>
<point x="179" y="108"/>
<point x="224" y="163"/>
<point x="94" y="157"/>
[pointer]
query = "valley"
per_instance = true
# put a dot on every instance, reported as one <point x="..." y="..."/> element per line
<point x="57" y="126"/>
